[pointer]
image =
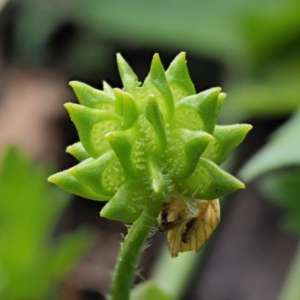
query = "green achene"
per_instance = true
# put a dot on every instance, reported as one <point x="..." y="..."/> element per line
<point x="149" y="141"/>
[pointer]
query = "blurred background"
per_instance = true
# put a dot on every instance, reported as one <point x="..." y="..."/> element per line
<point x="250" y="49"/>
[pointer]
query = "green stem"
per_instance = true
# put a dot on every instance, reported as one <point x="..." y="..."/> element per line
<point x="131" y="250"/>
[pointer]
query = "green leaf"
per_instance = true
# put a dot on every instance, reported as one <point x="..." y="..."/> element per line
<point x="272" y="90"/>
<point x="283" y="189"/>
<point x="164" y="24"/>
<point x="290" y="222"/>
<point x="28" y="209"/>
<point x="59" y="261"/>
<point x="282" y="150"/>
<point x="22" y="186"/>
<point x="67" y="250"/>
<point x="149" y="291"/>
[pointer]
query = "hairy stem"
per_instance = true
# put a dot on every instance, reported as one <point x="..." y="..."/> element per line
<point x="131" y="250"/>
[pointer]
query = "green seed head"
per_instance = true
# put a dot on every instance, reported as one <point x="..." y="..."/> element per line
<point x="149" y="141"/>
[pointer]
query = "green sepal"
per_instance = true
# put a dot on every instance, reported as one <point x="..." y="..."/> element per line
<point x="93" y="98"/>
<point x="209" y="182"/>
<point x="154" y="116"/>
<point x="185" y="149"/>
<point x="108" y="89"/>
<point x="226" y="139"/>
<point x="78" y="151"/>
<point x="122" y="142"/>
<point x="70" y="184"/>
<point x="221" y="99"/>
<point x="127" y="204"/>
<point x="157" y="84"/>
<point x="179" y="78"/>
<point x="127" y="108"/>
<point x="128" y="77"/>
<point x="156" y="179"/>
<point x="92" y="125"/>
<point x="197" y="112"/>
<point x="103" y="175"/>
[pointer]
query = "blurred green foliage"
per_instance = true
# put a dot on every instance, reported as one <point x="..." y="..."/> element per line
<point x="279" y="162"/>
<point x="256" y="41"/>
<point x="284" y="189"/>
<point x="281" y="156"/>
<point x="282" y="150"/>
<point x="149" y="291"/>
<point x="31" y="263"/>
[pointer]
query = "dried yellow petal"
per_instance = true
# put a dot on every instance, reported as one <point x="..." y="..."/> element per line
<point x="189" y="223"/>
